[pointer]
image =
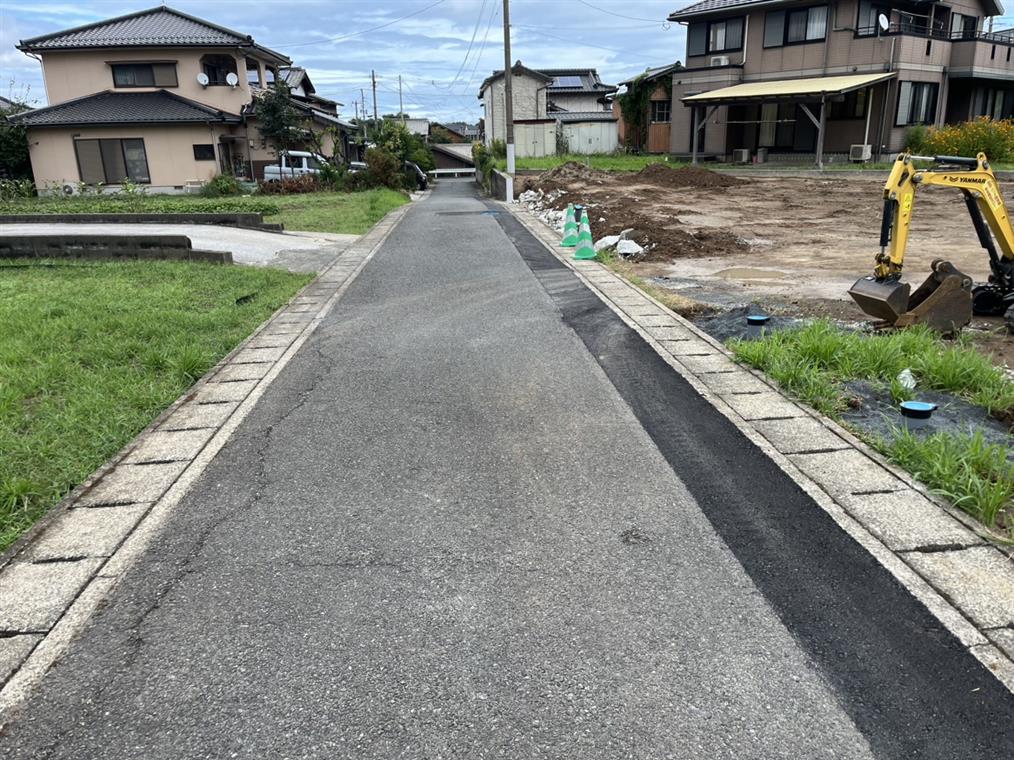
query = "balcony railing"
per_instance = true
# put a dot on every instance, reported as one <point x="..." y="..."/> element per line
<point x="921" y="30"/>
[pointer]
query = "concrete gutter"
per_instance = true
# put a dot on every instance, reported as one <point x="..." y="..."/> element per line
<point x="938" y="553"/>
<point x="55" y="576"/>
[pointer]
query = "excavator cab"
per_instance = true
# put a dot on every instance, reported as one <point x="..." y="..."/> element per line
<point x="947" y="299"/>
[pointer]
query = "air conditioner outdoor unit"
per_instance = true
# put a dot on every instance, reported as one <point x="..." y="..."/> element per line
<point x="741" y="156"/>
<point x="860" y="152"/>
<point x="719" y="60"/>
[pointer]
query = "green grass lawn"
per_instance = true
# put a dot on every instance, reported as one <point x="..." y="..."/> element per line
<point x="812" y="362"/>
<point x="352" y="213"/>
<point x="92" y="353"/>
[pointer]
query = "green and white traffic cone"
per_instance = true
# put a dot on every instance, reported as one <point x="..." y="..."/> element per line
<point x="585" y="246"/>
<point x="569" y="229"/>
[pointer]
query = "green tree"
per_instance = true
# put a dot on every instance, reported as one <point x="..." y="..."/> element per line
<point x="15" y="162"/>
<point x="278" y="120"/>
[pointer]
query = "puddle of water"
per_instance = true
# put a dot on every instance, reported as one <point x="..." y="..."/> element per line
<point x="749" y="273"/>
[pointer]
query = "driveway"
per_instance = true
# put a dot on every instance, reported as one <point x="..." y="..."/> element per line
<point x="296" y="251"/>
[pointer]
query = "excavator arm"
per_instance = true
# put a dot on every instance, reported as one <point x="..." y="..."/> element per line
<point x="945" y="300"/>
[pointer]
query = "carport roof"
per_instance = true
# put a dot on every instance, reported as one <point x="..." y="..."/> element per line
<point x="786" y="89"/>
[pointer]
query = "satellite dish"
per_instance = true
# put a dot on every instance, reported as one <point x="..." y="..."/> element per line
<point x="202" y="79"/>
<point x="231" y="79"/>
<point x="883" y="22"/>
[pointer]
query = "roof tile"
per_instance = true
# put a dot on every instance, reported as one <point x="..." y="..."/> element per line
<point x="159" y="107"/>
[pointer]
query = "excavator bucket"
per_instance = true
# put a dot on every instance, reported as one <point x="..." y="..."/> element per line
<point x="943" y="302"/>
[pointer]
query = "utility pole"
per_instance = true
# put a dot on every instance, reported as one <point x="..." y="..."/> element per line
<point x="508" y="98"/>
<point x="401" y="105"/>
<point x="362" y="94"/>
<point x="373" y="76"/>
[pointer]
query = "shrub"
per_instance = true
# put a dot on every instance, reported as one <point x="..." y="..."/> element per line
<point x="16" y="188"/>
<point x="994" y="138"/>
<point x="332" y="177"/>
<point x="499" y="149"/>
<point x="917" y="139"/>
<point x="484" y="162"/>
<point x="306" y="183"/>
<point x="384" y="169"/>
<point x="223" y="184"/>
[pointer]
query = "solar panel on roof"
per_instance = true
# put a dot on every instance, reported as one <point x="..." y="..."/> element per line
<point x="567" y="81"/>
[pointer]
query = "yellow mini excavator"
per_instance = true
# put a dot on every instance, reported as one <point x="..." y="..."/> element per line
<point x="947" y="299"/>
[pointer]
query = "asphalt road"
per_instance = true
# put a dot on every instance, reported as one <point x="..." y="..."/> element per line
<point x="298" y="251"/>
<point x="475" y="519"/>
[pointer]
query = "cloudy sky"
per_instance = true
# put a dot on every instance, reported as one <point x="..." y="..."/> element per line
<point x="442" y="48"/>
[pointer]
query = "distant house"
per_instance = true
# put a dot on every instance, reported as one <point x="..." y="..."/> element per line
<point x="470" y="132"/>
<point x="450" y="134"/>
<point x="158" y="98"/>
<point x="659" y="112"/>
<point x="552" y="109"/>
<point x="453" y="156"/>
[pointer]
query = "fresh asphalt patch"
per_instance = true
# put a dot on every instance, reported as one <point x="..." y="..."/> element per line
<point x="907" y="683"/>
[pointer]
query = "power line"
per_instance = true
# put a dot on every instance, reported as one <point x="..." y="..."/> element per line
<point x="538" y="30"/>
<point x="361" y="32"/>
<point x="475" y="31"/>
<point x="621" y="15"/>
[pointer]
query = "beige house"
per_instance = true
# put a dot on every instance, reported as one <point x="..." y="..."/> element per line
<point x="552" y="108"/>
<point x="830" y="79"/>
<point x="157" y="97"/>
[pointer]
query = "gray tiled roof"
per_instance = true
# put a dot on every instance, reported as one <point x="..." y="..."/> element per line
<point x="569" y="116"/>
<point x="709" y="6"/>
<point x="159" y="107"/>
<point x="162" y="27"/>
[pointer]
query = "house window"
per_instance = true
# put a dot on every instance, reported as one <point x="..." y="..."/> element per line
<point x="795" y="27"/>
<point x="715" y="36"/>
<point x="144" y="75"/>
<point x="661" y="111"/>
<point x="963" y="26"/>
<point x="852" y="107"/>
<point x="112" y="161"/>
<point x="917" y="103"/>
<point x="204" y="152"/>
<point x="218" y="67"/>
<point x="869" y="13"/>
<point x="997" y="104"/>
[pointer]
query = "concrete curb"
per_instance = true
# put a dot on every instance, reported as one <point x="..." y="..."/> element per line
<point x="54" y="577"/>
<point x="938" y="553"/>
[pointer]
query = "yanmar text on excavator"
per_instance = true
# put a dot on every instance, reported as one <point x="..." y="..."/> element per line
<point x="948" y="298"/>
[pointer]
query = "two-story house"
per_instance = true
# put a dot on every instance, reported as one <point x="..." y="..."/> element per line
<point x="157" y="97"/>
<point x="551" y="107"/>
<point x="812" y="77"/>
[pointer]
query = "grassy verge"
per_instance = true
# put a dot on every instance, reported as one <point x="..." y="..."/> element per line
<point x="683" y="306"/>
<point x="93" y="352"/>
<point x="610" y="162"/>
<point x="811" y="363"/>
<point x="352" y="213"/>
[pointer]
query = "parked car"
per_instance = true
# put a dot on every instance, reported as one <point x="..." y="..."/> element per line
<point x="295" y="163"/>
<point x="417" y="175"/>
<point x="357" y="166"/>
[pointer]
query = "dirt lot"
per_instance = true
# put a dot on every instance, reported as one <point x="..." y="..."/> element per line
<point x="792" y="244"/>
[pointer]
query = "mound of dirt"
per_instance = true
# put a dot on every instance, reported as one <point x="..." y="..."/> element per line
<point x="572" y="171"/>
<point x="686" y="176"/>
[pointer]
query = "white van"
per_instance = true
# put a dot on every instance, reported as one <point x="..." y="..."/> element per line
<point x="295" y="163"/>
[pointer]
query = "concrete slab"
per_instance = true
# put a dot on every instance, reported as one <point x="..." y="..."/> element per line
<point x="660" y="320"/>
<point x="214" y="393"/>
<point x="797" y="435"/>
<point x="761" y="406"/>
<point x="233" y="372"/>
<point x="734" y="382"/>
<point x="979" y="580"/>
<point x="842" y="473"/>
<point x="86" y="533"/>
<point x="132" y="483"/>
<point x="169" y="446"/>
<point x="258" y="355"/>
<point x="713" y="363"/>
<point x="190" y="415"/>
<point x="690" y="343"/>
<point x="13" y="651"/>
<point x="1004" y="640"/>
<point x="35" y="595"/>
<point x="908" y="520"/>
<point x="272" y="340"/>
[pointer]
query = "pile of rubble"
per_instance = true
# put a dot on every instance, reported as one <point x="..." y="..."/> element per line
<point x="541" y="204"/>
